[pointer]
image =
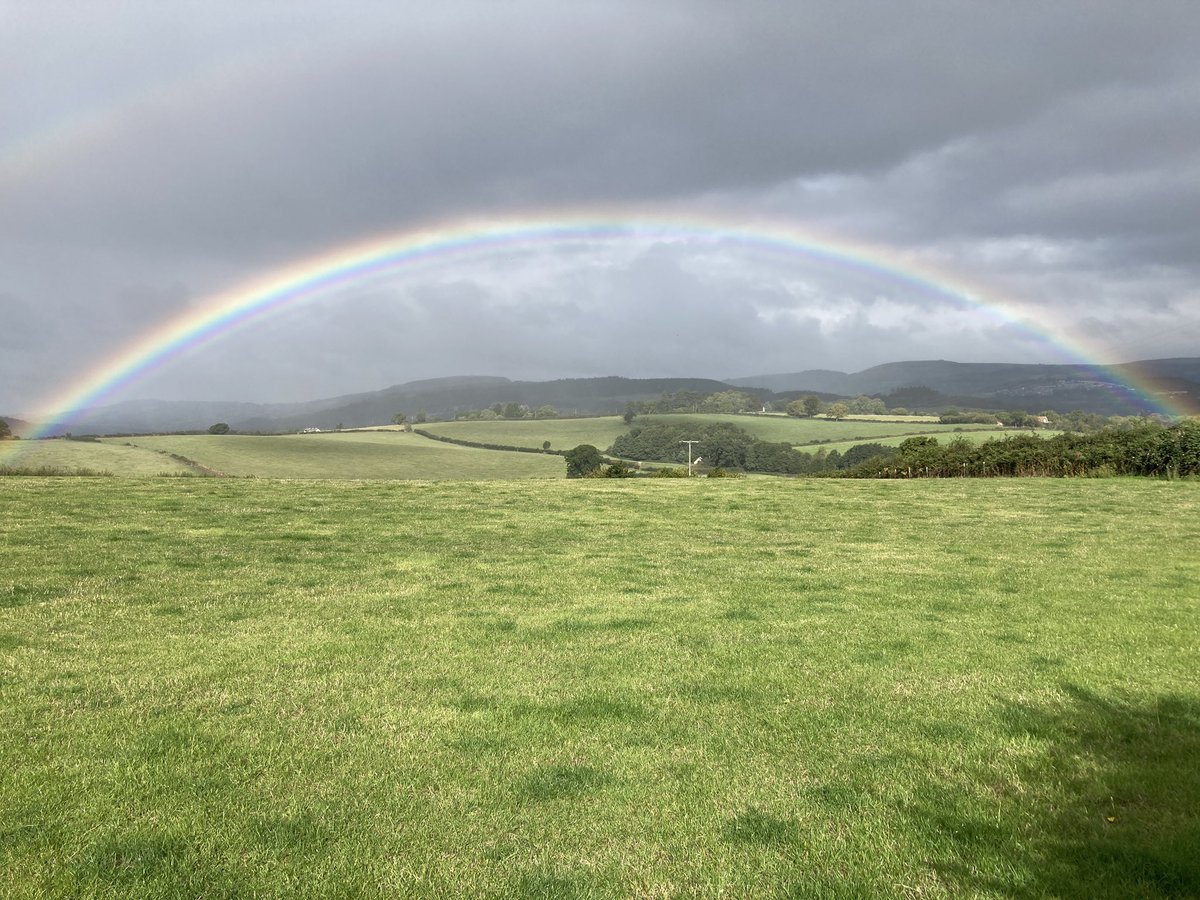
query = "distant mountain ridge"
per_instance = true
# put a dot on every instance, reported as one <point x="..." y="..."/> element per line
<point x="1104" y="390"/>
<point x="438" y="397"/>
<point x="934" y="383"/>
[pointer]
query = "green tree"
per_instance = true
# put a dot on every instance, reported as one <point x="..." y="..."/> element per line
<point x="630" y="412"/>
<point x="797" y="408"/>
<point x="546" y="411"/>
<point x="618" y="468"/>
<point x="582" y="461"/>
<point x="5" y="431"/>
<point x="728" y="402"/>
<point x="545" y="445"/>
<point x="422" y="417"/>
<point x="839" y="411"/>
<point x="219" y="428"/>
<point x="513" y="411"/>
<point x="812" y="404"/>
<point x="399" y="419"/>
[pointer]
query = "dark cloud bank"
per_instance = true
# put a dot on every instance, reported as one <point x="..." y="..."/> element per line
<point x="156" y="154"/>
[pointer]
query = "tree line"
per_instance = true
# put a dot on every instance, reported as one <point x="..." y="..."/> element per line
<point x="1149" y="449"/>
<point x="724" y="445"/>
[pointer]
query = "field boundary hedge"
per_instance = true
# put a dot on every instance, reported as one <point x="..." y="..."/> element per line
<point x="481" y="445"/>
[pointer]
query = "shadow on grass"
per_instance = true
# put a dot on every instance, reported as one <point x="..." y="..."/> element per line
<point x="543" y="885"/>
<point x="1110" y="809"/>
<point x="756" y="827"/>
<point x="559" y="782"/>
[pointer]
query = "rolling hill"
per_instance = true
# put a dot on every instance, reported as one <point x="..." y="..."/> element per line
<point x="1031" y="387"/>
<point x="927" y="384"/>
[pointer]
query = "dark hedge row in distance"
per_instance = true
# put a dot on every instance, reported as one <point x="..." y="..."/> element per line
<point x="482" y="446"/>
<point x="1148" y="449"/>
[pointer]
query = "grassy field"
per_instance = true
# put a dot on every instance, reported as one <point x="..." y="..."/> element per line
<point x="563" y="434"/>
<point x="742" y="688"/>
<point x="974" y="437"/>
<point x="372" y="455"/>
<point x="115" y="456"/>
<point x="810" y="431"/>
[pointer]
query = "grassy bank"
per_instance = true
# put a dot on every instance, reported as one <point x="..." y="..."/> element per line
<point x="217" y="687"/>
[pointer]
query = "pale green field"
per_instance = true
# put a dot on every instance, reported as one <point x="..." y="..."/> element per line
<point x="563" y="434"/>
<point x="388" y="455"/>
<point x="112" y="456"/>
<point x="798" y="432"/>
<point x="889" y="418"/>
<point x="973" y="437"/>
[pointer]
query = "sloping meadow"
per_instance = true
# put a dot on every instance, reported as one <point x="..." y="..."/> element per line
<point x="222" y="687"/>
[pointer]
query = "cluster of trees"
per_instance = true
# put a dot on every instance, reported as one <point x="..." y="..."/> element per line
<point x="726" y="446"/>
<point x="510" y="411"/>
<point x="862" y="405"/>
<point x="721" y="443"/>
<point x="1147" y="449"/>
<point x="402" y="418"/>
<point x="728" y="402"/>
<point x="5" y="431"/>
<point x="586" y="461"/>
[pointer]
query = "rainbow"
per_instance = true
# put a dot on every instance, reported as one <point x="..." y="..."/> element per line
<point x="377" y="257"/>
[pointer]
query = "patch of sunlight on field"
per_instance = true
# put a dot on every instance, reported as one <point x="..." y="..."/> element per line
<point x="370" y="455"/>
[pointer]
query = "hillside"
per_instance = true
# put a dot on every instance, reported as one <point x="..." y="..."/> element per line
<point x="927" y="384"/>
<point x="18" y="427"/>
<point x="1031" y="387"/>
<point x="440" y="398"/>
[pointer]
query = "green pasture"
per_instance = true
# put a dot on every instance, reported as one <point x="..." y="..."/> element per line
<point x="596" y="688"/>
<point x="563" y="434"/>
<point x="358" y="454"/>
<point x="798" y="431"/>
<point x="114" y="456"/>
<point x="973" y="437"/>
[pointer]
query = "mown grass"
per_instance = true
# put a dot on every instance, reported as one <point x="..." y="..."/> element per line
<point x="367" y="455"/>
<point x="750" y="688"/>
<point x="114" y="456"/>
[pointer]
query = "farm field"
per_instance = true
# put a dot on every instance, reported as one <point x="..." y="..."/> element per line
<point x="114" y="456"/>
<point x="799" y="432"/>
<point x="743" y="688"/>
<point x="358" y="454"/>
<point x="563" y="434"/>
<point x="974" y="437"/>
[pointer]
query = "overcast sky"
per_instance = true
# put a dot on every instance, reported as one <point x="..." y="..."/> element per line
<point x="156" y="154"/>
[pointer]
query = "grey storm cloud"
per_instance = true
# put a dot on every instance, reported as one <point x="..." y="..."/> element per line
<point x="154" y="154"/>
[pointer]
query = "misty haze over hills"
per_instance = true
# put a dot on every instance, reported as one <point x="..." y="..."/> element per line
<point x="929" y="384"/>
